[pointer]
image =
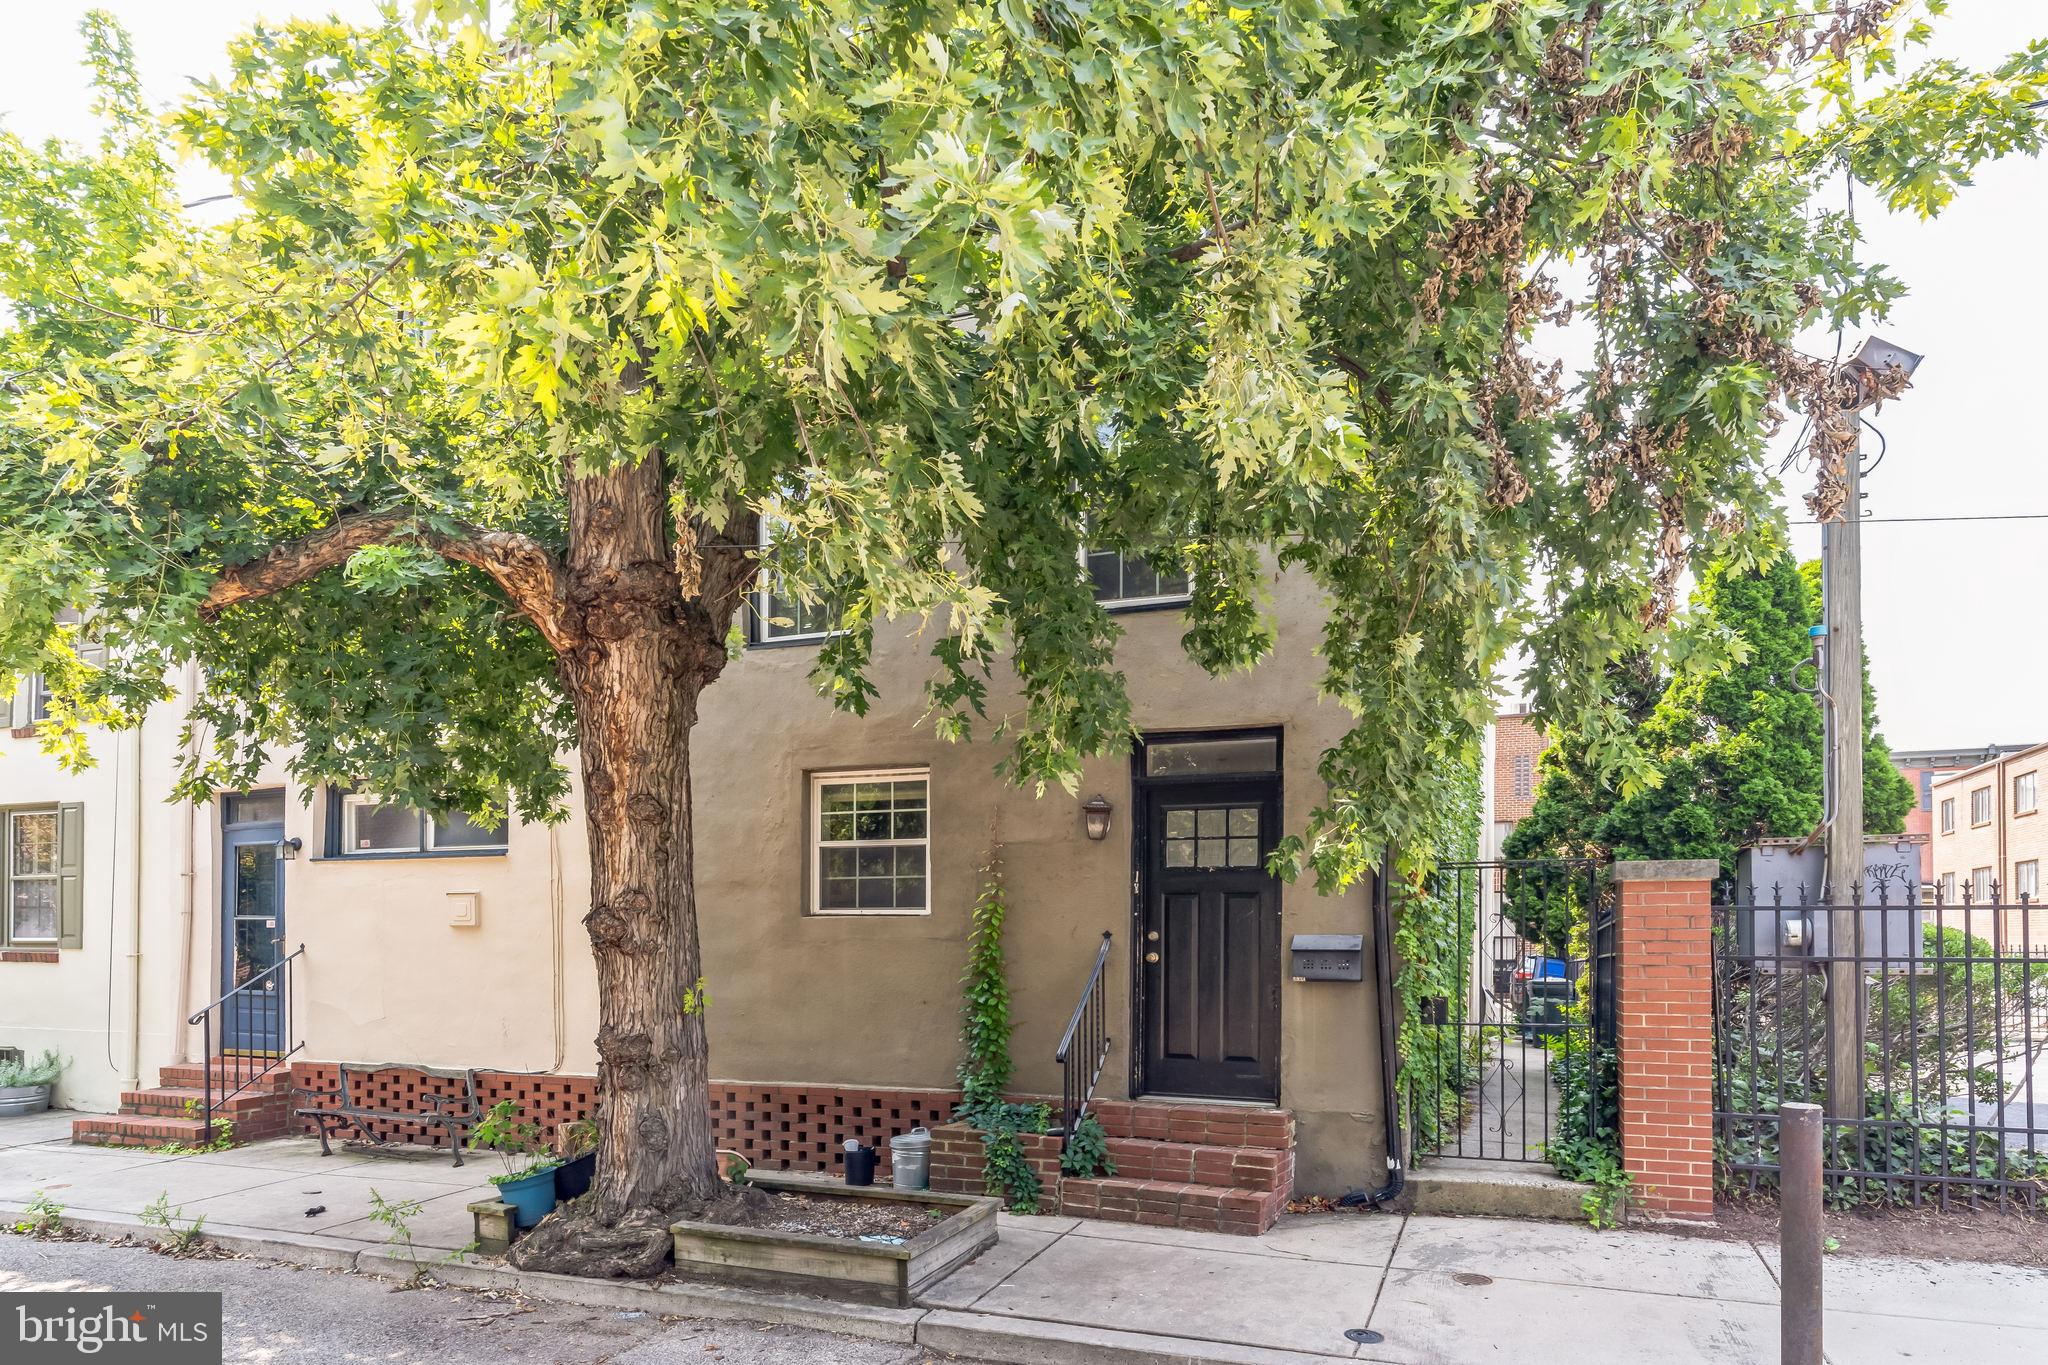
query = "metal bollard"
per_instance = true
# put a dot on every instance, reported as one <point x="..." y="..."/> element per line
<point x="1799" y="1234"/>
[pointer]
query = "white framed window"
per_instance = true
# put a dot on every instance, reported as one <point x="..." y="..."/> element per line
<point x="2026" y="879"/>
<point x="782" y="617"/>
<point x="1948" y="815"/>
<point x="1948" y="888"/>
<point x="371" y="825"/>
<point x="32" y="870"/>
<point x="1122" y="580"/>
<point x="871" y="842"/>
<point x="2026" y="793"/>
<point x="1980" y="885"/>
<point x="1980" y="806"/>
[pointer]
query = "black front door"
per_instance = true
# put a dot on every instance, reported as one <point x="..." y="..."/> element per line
<point x="252" y="927"/>
<point x="1209" y="953"/>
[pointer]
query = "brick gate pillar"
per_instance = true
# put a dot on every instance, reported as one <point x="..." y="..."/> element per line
<point x="1666" y="1033"/>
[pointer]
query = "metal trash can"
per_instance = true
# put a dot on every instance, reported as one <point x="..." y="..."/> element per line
<point x="910" y="1160"/>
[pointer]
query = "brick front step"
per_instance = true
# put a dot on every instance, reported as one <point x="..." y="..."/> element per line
<point x="1167" y="1204"/>
<point x="178" y="1102"/>
<point x="1197" y="1124"/>
<point x="137" y="1130"/>
<point x="192" y="1075"/>
<point x="1245" y="1168"/>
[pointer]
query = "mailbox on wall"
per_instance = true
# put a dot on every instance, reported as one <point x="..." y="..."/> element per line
<point x="1326" y="957"/>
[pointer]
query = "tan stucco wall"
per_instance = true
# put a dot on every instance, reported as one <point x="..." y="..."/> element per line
<point x="795" y="997"/>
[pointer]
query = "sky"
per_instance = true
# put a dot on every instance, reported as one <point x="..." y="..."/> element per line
<point x="1955" y="613"/>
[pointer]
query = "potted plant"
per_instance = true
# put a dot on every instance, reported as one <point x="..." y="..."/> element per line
<point x="528" y="1180"/>
<point x="577" y="1144"/>
<point x="25" y="1085"/>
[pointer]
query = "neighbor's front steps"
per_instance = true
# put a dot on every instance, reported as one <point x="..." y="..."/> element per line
<point x="172" y="1110"/>
<point x="1205" y="1167"/>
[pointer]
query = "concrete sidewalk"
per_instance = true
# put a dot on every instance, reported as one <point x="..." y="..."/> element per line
<point x="1450" y="1290"/>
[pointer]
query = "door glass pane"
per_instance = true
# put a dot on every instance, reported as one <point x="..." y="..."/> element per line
<point x="253" y="808"/>
<point x="1210" y="823"/>
<point x="1180" y="824"/>
<point x="255" y="908"/>
<point x="1244" y="852"/>
<point x="1180" y="852"/>
<point x="1242" y="754"/>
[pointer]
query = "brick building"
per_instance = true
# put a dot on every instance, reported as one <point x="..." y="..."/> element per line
<point x="1510" y="776"/>
<point x="1923" y="768"/>
<point x="1991" y="838"/>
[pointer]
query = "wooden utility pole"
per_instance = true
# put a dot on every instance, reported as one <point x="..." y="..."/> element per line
<point x="1842" y="607"/>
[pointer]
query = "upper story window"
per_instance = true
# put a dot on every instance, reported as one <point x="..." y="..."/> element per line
<point x="1122" y="580"/>
<point x="1524" y="776"/>
<point x="31" y="867"/>
<point x="363" y="824"/>
<point x="2026" y="793"/>
<point x="1927" y="789"/>
<point x="1980" y="806"/>
<point x="1948" y="815"/>
<point x="871" y="840"/>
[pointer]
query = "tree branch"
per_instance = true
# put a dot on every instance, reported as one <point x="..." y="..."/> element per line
<point x="519" y="565"/>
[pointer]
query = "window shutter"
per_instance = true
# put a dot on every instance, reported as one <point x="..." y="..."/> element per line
<point x="70" y="875"/>
<point x="7" y="707"/>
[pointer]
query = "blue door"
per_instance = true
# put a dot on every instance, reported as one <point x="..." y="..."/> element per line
<point x="252" y="925"/>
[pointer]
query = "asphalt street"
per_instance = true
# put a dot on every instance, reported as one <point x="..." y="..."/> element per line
<point x="281" y="1315"/>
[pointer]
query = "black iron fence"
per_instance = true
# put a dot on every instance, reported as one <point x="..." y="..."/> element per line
<point x="1505" y="1059"/>
<point x="1919" y="1022"/>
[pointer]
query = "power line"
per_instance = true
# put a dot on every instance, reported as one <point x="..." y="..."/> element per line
<point x="1984" y="516"/>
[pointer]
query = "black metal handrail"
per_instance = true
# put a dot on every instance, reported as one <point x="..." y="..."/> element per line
<point x="264" y="999"/>
<point x="1090" y="1028"/>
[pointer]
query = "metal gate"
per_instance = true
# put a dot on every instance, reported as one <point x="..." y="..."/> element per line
<point x="1515" y="1052"/>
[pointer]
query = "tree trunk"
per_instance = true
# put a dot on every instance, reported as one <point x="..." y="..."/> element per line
<point x="635" y="679"/>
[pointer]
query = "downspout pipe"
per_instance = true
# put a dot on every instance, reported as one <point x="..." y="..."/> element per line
<point x="1390" y="1043"/>
<point x="181" y="1033"/>
<point x="133" y="1080"/>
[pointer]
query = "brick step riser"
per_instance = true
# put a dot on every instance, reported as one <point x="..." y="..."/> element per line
<point x="1237" y="1168"/>
<point x="179" y="1107"/>
<point x="192" y="1076"/>
<point x="1197" y="1124"/>
<point x="1164" y="1204"/>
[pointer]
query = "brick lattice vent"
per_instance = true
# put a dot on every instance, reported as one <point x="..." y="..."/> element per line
<point x="1214" y="1167"/>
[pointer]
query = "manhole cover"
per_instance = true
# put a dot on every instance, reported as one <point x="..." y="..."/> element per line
<point x="1472" y="1277"/>
<point x="1364" y="1336"/>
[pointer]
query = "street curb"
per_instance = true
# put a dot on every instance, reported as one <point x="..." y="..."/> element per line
<point x="1032" y="1341"/>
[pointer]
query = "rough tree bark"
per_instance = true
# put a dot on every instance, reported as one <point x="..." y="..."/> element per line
<point x="637" y="612"/>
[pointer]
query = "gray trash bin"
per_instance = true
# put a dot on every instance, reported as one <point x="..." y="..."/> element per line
<point x="910" y="1160"/>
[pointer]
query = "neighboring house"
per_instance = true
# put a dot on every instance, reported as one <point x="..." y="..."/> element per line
<point x="1922" y="768"/>
<point x="838" y="858"/>
<point x="1990" y="842"/>
<point x="1514" y="746"/>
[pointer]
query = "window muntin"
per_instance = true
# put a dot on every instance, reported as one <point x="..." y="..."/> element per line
<point x="2026" y="879"/>
<point x="372" y="824"/>
<point x="1129" y="581"/>
<point x="871" y="834"/>
<point x="1980" y="884"/>
<point x="1211" y="837"/>
<point x="32" y="873"/>
<point x="2026" y="793"/>
<point x="1980" y="806"/>
<point x="1948" y="815"/>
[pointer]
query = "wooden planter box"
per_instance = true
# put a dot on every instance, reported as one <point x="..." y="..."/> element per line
<point x="863" y="1272"/>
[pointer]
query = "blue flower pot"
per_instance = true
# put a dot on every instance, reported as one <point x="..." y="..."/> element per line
<point x="531" y="1196"/>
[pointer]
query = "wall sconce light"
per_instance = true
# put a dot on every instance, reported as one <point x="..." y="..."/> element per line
<point x="1095" y="817"/>
<point x="288" y="849"/>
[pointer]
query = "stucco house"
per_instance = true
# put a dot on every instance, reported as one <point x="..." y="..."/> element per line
<point x="838" y="859"/>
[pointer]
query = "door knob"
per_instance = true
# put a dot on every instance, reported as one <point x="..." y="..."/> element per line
<point x="1151" y="957"/>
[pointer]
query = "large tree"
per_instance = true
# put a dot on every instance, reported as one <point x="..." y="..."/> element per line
<point x="450" y="451"/>
<point x="1739" y="753"/>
